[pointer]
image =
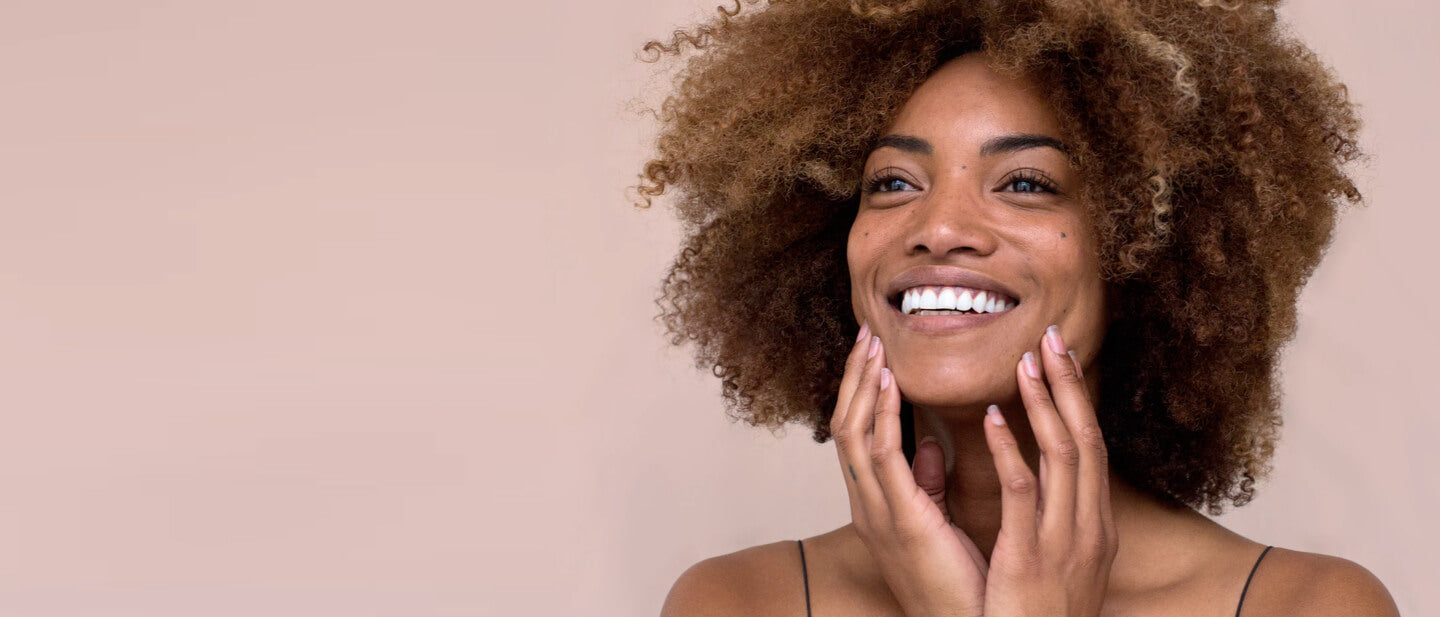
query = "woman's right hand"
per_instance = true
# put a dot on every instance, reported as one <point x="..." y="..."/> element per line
<point x="930" y="564"/>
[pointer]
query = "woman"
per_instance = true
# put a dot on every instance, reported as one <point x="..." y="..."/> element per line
<point x="1056" y="244"/>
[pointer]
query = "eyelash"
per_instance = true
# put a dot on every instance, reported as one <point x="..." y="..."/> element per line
<point x="873" y="184"/>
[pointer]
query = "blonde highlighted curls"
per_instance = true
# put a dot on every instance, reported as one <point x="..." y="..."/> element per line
<point x="1213" y="150"/>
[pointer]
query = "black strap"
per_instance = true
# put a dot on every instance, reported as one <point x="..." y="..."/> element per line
<point x="1247" y="580"/>
<point x="805" y="574"/>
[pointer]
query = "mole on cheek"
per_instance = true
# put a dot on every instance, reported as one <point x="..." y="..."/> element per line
<point x="1062" y="234"/>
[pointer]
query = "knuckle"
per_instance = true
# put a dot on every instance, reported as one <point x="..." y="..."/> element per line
<point x="1027" y="561"/>
<point x="1095" y="544"/>
<point x="1067" y="453"/>
<point x="1066" y="373"/>
<point x="1022" y="484"/>
<point x="843" y="438"/>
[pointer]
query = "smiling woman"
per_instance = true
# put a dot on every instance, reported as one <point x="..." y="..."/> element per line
<point x="1057" y="245"/>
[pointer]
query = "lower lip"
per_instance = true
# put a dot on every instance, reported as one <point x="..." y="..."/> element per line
<point x="935" y="324"/>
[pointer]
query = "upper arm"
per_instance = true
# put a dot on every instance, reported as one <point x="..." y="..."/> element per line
<point x="1339" y="587"/>
<point x="760" y="580"/>
<point x="707" y="589"/>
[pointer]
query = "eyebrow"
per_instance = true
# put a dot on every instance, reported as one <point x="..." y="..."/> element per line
<point x="996" y="145"/>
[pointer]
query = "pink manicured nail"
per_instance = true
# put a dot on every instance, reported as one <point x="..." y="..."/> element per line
<point x="1031" y="368"/>
<point x="995" y="417"/>
<point x="1052" y="334"/>
<point x="874" y="346"/>
<point x="864" y="330"/>
<point x="884" y="378"/>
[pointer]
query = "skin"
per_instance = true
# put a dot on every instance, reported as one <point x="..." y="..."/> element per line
<point x="955" y="207"/>
<point x="983" y="523"/>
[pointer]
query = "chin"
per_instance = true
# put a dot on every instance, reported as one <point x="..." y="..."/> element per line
<point x="954" y="384"/>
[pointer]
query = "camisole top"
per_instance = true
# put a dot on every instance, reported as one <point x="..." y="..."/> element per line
<point x="804" y="572"/>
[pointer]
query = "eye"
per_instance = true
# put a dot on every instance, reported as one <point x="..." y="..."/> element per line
<point x="1029" y="181"/>
<point x="884" y="181"/>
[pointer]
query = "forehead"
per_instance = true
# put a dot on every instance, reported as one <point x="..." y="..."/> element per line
<point x="965" y="102"/>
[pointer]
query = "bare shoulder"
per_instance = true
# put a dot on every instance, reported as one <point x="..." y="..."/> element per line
<point x="1299" y="583"/>
<point x="760" y="580"/>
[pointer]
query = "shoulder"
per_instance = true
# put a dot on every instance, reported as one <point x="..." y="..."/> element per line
<point x="1301" y="583"/>
<point x="760" y="580"/>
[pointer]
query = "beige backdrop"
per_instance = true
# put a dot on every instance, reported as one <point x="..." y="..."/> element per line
<point x="340" y="308"/>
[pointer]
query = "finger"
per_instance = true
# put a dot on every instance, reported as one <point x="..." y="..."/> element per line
<point x="853" y="364"/>
<point x="929" y="471"/>
<point x="1068" y="387"/>
<point x="856" y="433"/>
<point x="897" y="481"/>
<point x="1060" y="456"/>
<point x="1019" y="489"/>
<point x="1106" y="514"/>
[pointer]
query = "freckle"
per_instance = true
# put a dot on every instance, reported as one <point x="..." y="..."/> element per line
<point x="867" y="234"/>
<point x="963" y="167"/>
<point x="1062" y="234"/>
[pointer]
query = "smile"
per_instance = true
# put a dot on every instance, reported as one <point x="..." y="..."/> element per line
<point x="940" y="309"/>
<point x="948" y="300"/>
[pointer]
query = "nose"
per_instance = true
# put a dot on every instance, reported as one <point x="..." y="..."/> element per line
<point x="951" y="220"/>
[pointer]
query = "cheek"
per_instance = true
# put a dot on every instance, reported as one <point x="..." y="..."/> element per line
<point x="1083" y="316"/>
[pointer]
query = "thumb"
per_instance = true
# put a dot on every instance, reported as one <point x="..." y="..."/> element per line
<point x="929" y="470"/>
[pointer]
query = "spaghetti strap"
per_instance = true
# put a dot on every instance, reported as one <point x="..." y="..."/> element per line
<point x="1247" y="580"/>
<point x="806" y="575"/>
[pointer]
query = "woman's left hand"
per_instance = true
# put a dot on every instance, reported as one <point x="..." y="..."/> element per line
<point x="1057" y="536"/>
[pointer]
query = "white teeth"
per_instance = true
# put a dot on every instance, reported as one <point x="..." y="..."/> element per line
<point x="947" y="299"/>
<point x="928" y="299"/>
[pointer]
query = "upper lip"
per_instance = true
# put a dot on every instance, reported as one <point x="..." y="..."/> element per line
<point x="947" y="276"/>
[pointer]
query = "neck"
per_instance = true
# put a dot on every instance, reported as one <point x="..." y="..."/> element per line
<point x="972" y="485"/>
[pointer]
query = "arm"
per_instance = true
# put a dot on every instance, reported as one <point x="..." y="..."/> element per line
<point x="1342" y="588"/>
<point x="707" y="589"/>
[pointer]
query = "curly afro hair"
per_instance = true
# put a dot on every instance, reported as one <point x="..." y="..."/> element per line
<point x="1212" y="146"/>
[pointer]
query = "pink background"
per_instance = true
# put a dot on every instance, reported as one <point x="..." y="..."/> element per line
<point x="324" y="308"/>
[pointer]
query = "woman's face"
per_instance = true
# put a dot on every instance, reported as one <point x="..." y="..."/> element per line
<point x="970" y="191"/>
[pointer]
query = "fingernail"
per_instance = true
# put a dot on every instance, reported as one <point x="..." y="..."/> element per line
<point x="864" y="329"/>
<point x="1052" y="334"/>
<point x="884" y="378"/>
<point x="994" y="413"/>
<point x="874" y="346"/>
<point x="1074" y="357"/>
<point x="1031" y="368"/>
<point x="929" y="439"/>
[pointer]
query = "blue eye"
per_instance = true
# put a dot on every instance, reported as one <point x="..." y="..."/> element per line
<point x="883" y="182"/>
<point x="884" y="185"/>
<point x="1027" y="183"/>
